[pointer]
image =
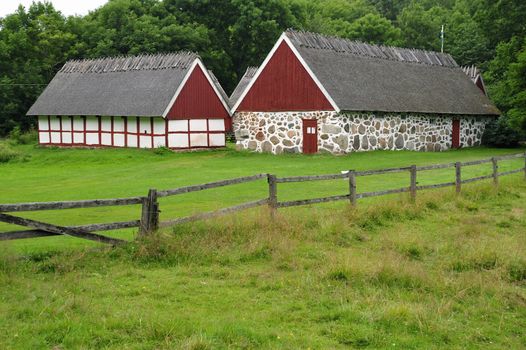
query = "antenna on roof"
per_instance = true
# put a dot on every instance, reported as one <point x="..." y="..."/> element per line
<point x="442" y="39"/>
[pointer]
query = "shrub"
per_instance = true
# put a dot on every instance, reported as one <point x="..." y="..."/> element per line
<point x="7" y="154"/>
<point x="500" y="133"/>
<point x="161" y="151"/>
<point x="17" y="137"/>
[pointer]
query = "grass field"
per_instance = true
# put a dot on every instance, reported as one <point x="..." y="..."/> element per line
<point x="446" y="272"/>
<point x="44" y="174"/>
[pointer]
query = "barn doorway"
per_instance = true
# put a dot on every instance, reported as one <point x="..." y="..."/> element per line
<point x="455" y="138"/>
<point x="310" y="136"/>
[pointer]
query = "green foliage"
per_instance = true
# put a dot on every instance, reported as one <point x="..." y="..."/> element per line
<point x="355" y="20"/>
<point x="233" y="34"/>
<point x="507" y="78"/>
<point x="34" y="44"/>
<point x="16" y="136"/>
<point x="499" y="133"/>
<point x="421" y="27"/>
<point x="161" y="151"/>
<point x="374" y="28"/>
<point x="7" y="154"/>
<point x="388" y="8"/>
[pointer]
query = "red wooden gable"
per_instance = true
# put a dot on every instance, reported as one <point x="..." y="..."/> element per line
<point x="197" y="99"/>
<point x="284" y="85"/>
<point x="480" y="85"/>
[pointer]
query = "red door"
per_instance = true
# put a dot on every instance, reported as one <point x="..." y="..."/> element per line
<point x="455" y="138"/>
<point x="310" y="136"/>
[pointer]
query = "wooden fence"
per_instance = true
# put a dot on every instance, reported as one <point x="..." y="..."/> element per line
<point x="149" y="221"/>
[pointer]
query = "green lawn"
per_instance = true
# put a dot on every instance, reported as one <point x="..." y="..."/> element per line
<point x="51" y="174"/>
<point x="444" y="273"/>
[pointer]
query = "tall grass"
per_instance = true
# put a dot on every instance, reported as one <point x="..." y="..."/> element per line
<point x="7" y="154"/>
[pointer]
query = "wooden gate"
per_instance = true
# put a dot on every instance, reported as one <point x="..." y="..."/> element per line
<point x="310" y="136"/>
<point x="455" y="137"/>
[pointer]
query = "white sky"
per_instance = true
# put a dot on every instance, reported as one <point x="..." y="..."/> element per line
<point x="67" y="7"/>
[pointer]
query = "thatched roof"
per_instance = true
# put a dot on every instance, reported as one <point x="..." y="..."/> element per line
<point x="120" y="86"/>
<point x="364" y="77"/>
<point x="471" y="71"/>
<point x="243" y="83"/>
<point x="341" y="45"/>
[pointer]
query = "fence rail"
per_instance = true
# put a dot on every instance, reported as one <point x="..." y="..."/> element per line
<point x="215" y="213"/>
<point x="210" y="185"/>
<point x="149" y="220"/>
<point x="70" y="204"/>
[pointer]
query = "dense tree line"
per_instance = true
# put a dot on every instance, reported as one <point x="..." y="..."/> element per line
<point x="233" y="34"/>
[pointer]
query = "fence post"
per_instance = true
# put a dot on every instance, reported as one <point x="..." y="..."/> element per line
<point x="272" y="194"/>
<point x="495" y="171"/>
<point x="413" y="182"/>
<point x="524" y="165"/>
<point x="458" y="177"/>
<point x="149" y="213"/>
<point x="352" y="187"/>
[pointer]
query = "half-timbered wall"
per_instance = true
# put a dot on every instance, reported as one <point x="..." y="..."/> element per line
<point x="135" y="132"/>
<point x="196" y="133"/>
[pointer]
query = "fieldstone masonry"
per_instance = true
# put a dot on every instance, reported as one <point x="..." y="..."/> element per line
<point x="279" y="132"/>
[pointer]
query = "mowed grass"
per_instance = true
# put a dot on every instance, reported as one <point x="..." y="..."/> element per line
<point x="444" y="273"/>
<point x="53" y="174"/>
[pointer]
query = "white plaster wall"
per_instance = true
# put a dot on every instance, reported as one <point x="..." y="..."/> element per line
<point x="118" y="124"/>
<point x="118" y="140"/>
<point x="217" y="140"/>
<point x="216" y="125"/>
<point x="106" y="124"/>
<point x="67" y="138"/>
<point x="132" y="141"/>
<point x="178" y="140"/>
<point x="132" y="125"/>
<point x="43" y="123"/>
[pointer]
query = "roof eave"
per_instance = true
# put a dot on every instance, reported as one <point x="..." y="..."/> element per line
<point x="496" y="113"/>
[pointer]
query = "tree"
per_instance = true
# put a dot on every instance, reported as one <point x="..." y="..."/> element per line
<point x="355" y="20"/>
<point x="465" y="41"/>
<point x="420" y="27"/>
<point x="242" y="31"/>
<point x="390" y="9"/>
<point x="333" y="17"/>
<point x="501" y="19"/>
<point x="373" y="28"/>
<point x="232" y="34"/>
<point x="507" y="81"/>
<point x="33" y="46"/>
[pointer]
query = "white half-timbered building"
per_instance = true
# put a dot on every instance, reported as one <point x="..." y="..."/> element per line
<point x="167" y="100"/>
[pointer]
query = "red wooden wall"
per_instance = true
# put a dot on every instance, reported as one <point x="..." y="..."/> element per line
<point x="480" y="85"/>
<point x="198" y="100"/>
<point x="284" y="85"/>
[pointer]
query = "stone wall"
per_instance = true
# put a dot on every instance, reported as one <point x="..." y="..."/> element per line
<point x="272" y="132"/>
<point x="279" y="132"/>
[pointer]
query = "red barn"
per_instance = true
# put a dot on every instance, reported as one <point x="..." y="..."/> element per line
<point x="319" y="93"/>
<point x="166" y="100"/>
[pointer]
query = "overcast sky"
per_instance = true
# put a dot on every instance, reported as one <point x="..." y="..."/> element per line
<point x="67" y="7"/>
